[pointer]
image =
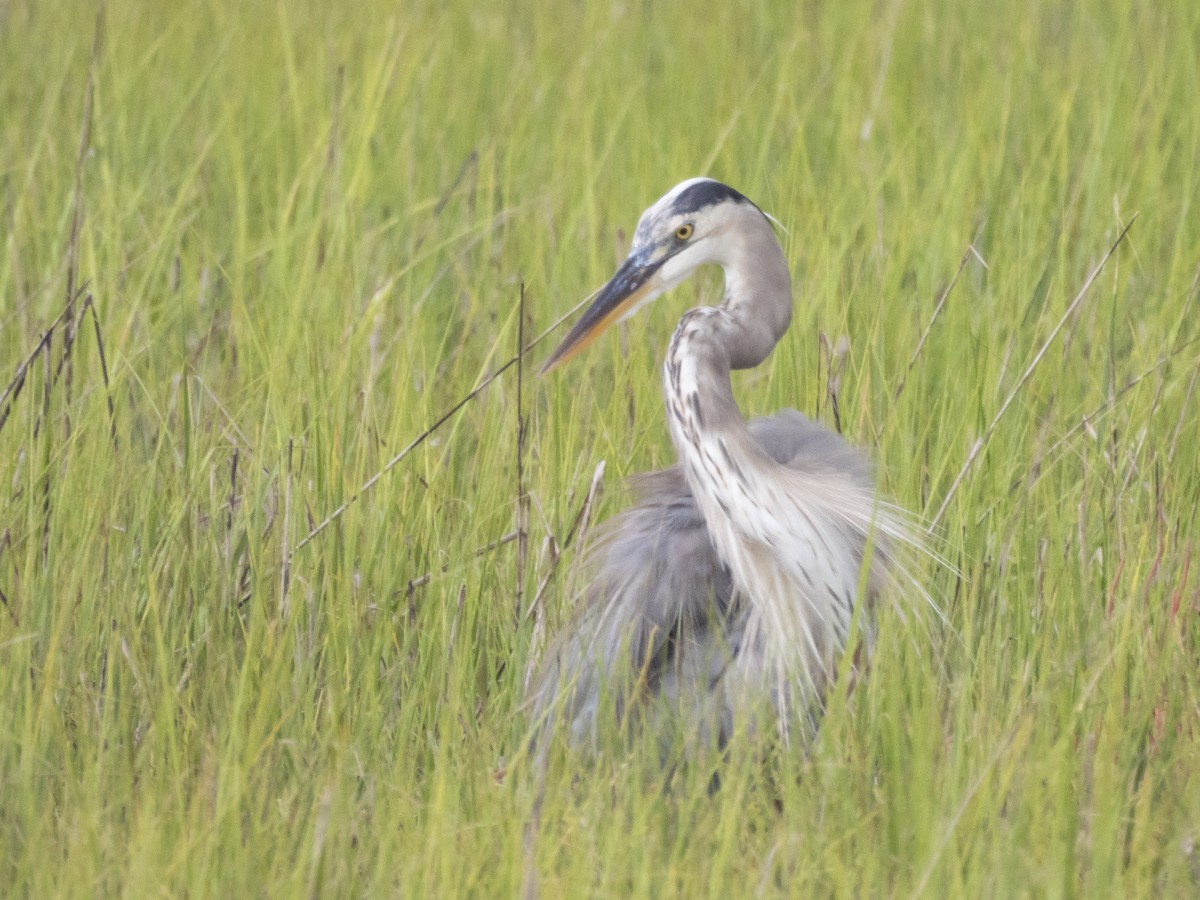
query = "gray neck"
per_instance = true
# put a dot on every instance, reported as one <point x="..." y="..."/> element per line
<point x="758" y="292"/>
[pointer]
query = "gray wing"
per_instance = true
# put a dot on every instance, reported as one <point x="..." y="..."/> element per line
<point x="793" y="439"/>
<point x="659" y="620"/>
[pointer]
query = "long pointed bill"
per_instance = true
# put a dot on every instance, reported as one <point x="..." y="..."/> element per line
<point x="632" y="285"/>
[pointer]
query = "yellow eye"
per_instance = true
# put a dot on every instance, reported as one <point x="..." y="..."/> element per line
<point x="684" y="231"/>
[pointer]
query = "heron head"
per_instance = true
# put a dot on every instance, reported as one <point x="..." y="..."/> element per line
<point x="698" y="221"/>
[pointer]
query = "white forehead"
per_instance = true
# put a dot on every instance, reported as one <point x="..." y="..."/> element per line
<point x="684" y="201"/>
<point x="668" y="199"/>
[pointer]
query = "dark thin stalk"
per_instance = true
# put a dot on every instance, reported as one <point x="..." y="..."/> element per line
<point x="937" y="311"/>
<point x="89" y="306"/>
<point x="522" y="516"/>
<point x="285" y="573"/>
<point x="13" y="390"/>
<point x="422" y="580"/>
<point x="77" y="211"/>
<point x="45" y="476"/>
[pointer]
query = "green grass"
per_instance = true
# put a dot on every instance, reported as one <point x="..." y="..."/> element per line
<point x="304" y="233"/>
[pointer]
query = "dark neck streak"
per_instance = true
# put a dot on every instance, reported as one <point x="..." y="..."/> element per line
<point x="707" y="427"/>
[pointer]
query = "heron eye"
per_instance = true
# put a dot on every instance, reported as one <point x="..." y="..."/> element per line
<point x="685" y="231"/>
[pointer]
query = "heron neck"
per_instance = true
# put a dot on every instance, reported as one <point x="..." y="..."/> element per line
<point x="758" y="294"/>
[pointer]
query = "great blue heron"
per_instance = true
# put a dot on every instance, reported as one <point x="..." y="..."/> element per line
<point x="727" y="593"/>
